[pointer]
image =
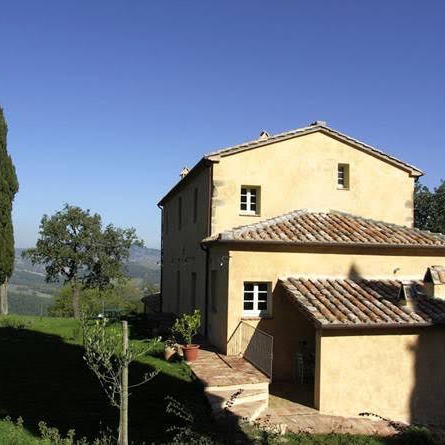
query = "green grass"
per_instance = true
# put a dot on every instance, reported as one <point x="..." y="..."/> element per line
<point x="43" y="377"/>
<point x="14" y="434"/>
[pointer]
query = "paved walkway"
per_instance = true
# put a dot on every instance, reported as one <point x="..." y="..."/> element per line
<point x="289" y="404"/>
<point x="215" y="369"/>
<point x="302" y="418"/>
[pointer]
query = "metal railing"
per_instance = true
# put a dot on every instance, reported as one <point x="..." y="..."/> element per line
<point x="254" y="345"/>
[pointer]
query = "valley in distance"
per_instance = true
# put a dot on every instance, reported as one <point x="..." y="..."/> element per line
<point x="30" y="294"/>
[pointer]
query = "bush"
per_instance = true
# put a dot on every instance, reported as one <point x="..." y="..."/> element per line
<point x="187" y="326"/>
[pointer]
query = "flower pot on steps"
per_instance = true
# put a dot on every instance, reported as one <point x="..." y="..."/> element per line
<point x="190" y="352"/>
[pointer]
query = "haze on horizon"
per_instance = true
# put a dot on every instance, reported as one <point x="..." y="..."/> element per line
<point x="107" y="101"/>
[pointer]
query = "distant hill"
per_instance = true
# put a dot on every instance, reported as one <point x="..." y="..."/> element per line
<point x="30" y="294"/>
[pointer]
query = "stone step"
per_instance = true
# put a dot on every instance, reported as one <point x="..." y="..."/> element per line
<point x="222" y="398"/>
<point x="235" y="387"/>
<point x="251" y="411"/>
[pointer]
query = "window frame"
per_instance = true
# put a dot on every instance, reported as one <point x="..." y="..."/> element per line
<point x="343" y="171"/>
<point x="195" y="205"/>
<point x="257" y="200"/>
<point x="256" y="292"/>
<point x="193" y="289"/>
<point x="213" y="290"/>
<point x="180" y="215"/>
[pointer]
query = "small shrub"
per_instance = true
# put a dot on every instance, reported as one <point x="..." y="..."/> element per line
<point x="14" y="323"/>
<point x="187" y="326"/>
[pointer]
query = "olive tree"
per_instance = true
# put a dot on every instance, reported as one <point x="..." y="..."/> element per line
<point x="75" y="248"/>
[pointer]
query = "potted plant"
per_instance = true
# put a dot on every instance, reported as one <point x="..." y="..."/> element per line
<point x="186" y="328"/>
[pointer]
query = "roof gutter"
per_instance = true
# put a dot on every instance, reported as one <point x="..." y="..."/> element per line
<point x="362" y="327"/>
<point x="322" y="244"/>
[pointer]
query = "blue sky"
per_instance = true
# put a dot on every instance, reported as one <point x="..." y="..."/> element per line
<point x="106" y="101"/>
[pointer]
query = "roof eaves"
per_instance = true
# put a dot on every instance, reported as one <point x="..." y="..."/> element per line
<point x="216" y="155"/>
<point x="196" y="168"/>
<point x="227" y="238"/>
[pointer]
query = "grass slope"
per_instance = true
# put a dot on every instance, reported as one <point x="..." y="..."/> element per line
<point x="43" y="377"/>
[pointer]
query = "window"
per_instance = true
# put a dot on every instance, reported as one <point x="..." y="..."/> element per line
<point x="165" y="220"/>
<point x="256" y="300"/>
<point x="195" y="205"/>
<point x="343" y="176"/>
<point x="193" y="291"/>
<point x="250" y="200"/>
<point x="180" y="213"/>
<point x="213" y="288"/>
<point x="178" y="290"/>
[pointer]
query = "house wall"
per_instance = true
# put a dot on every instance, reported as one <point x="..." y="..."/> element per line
<point x="181" y="248"/>
<point x="397" y="375"/>
<point x="301" y="173"/>
<point x="218" y="309"/>
<point x="340" y="263"/>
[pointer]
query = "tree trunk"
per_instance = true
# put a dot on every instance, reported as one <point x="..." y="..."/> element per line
<point x="76" y="292"/>
<point x="123" y="420"/>
<point x="4" y="298"/>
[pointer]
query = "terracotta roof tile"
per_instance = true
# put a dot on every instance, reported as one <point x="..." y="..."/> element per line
<point x="330" y="302"/>
<point x="331" y="227"/>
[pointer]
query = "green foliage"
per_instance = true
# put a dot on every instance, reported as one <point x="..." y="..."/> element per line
<point x="14" y="433"/>
<point x="28" y="302"/>
<point x="185" y="433"/>
<point x="106" y="358"/>
<point x="187" y="326"/>
<point x="8" y="188"/>
<point x="74" y="247"/>
<point x="331" y="439"/>
<point x="429" y="208"/>
<point x="124" y="296"/>
<point x="15" y="322"/>
<point x="50" y="381"/>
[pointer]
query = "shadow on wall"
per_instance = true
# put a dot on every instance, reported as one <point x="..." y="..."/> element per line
<point x="427" y="404"/>
<point x="427" y="399"/>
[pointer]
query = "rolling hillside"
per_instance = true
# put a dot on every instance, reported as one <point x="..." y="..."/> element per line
<point x="30" y="294"/>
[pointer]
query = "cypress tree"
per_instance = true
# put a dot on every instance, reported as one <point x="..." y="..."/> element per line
<point x="8" y="188"/>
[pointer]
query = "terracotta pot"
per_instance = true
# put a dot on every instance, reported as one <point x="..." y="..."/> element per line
<point x="190" y="352"/>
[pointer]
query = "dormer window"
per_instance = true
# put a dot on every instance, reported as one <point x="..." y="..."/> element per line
<point x="250" y="200"/>
<point x="343" y="176"/>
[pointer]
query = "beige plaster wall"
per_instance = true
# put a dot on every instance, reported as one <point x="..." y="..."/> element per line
<point x="302" y="173"/>
<point x="395" y="375"/>
<point x="270" y="266"/>
<point x="181" y="247"/>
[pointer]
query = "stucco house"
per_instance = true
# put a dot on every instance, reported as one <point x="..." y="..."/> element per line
<point x="299" y="250"/>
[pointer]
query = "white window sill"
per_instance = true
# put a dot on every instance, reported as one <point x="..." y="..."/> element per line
<point x="256" y="317"/>
<point x="249" y="214"/>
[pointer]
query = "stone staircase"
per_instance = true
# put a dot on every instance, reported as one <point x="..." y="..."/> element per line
<point x="246" y="401"/>
<point x="232" y="385"/>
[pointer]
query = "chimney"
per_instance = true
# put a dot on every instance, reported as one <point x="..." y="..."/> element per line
<point x="319" y="123"/>
<point x="434" y="282"/>
<point x="407" y="295"/>
<point x="263" y="136"/>
<point x="184" y="172"/>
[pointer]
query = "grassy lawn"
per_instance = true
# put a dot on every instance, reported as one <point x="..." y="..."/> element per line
<point x="43" y="377"/>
